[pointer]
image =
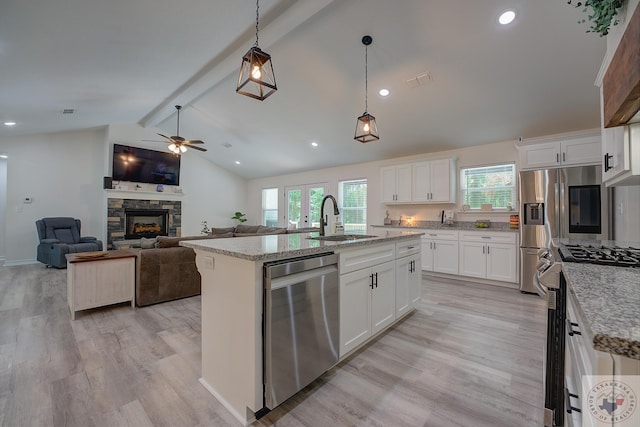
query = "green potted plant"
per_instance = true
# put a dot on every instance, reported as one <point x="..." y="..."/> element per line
<point x="205" y="228"/>
<point x="239" y="216"/>
<point x="603" y="14"/>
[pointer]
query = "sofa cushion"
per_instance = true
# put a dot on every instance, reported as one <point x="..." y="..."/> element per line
<point x="271" y="230"/>
<point x="146" y="243"/>
<point x="224" y="230"/>
<point x="246" y="229"/>
<point x="168" y="242"/>
<point x="221" y="235"/>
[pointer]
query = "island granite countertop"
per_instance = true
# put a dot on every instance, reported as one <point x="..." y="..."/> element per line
<point x="278" y="246"/>
<point x="609" y="301"/>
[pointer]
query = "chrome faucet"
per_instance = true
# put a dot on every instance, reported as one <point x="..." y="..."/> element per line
<point x="323" y="221"/>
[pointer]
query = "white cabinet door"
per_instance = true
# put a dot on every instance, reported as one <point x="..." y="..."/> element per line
<point x="383" y="296"/>
<point x="408" y="276"/>
<point x="584" y="151"/>
<point x="501" y="262"/>
<point x="613" y="152"/>
<point x="445" y="257"/>
<point x="473" y="261"/>
<point x="440" y="180"/>
<point x="415" y="281"/>
<point x="388" y="184"/>
<point x="403" y="274"/>
<point x="355" y="309"/>
<point x="427" y="255"/>
<point x="395" y="182"/>
<point x="403" y="183"/>
<point x="421" y="181"/>
<point x="538" y="156"/>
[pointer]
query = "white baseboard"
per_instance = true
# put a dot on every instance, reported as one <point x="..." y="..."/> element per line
<point x="245" y="421"/>
<point x="20" y="262"/>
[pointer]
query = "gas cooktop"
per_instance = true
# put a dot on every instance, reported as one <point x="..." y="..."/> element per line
<point x="614" y="256"/>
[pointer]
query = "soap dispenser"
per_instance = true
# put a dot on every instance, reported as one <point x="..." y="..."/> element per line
<point x="387" y="220"/>
<point x="338" y="228"/>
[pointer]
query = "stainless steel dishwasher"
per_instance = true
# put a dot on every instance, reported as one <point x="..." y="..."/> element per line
<point x="301" y="327"/>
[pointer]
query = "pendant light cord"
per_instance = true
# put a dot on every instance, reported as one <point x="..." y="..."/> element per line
<point x="366" y="78"/>
<point x="257" y="16"/>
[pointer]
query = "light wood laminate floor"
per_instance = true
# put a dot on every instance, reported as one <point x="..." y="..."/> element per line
<point x="470" y="355"/>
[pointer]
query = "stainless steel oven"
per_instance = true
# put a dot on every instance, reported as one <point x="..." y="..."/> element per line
<point x="551" y="285"/>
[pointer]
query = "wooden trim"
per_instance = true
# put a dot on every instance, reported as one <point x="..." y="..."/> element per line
<point x="621" y="83"/>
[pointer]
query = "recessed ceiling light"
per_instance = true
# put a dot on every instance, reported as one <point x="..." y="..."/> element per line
<point x="507" y="17"/>
<point x="237" y="162"/>
<point x="384" y="92"/>
<point x="9" y="123"/>
<point x="314" y="144"/>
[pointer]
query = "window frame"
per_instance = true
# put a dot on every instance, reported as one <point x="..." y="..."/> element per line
<point x="363" y="227"/>
<point x="513" y="188"/>
<point x="264" y="210"/>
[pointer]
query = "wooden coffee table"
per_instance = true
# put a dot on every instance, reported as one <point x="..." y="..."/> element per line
<point x="96" y="279"/>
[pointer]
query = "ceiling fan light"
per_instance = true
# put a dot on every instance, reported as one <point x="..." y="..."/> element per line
<point x="172" y="147"/>
<point x="366" y="129"/>
<point x="182" y="149"/>
<point x="256" y="78"/>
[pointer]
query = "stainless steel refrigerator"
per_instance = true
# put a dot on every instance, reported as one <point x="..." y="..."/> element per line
<point x="559" y="203"/>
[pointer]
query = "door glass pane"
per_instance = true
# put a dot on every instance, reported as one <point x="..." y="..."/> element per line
<point x="315" y="200"/>
<point x="293" y="208"/>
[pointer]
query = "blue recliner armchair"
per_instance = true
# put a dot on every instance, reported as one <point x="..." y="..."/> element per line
<point x="60" y="236"/>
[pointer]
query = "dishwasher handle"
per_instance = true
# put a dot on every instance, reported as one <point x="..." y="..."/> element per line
<point x="286" y="267"/>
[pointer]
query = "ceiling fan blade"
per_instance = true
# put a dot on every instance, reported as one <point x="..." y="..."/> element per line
<point x="195" y="147"/>
<point x="165" y="136"/>
<point x="193" y="141"/>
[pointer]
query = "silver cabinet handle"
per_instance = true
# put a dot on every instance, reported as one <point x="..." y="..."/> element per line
<point x="564" y="156"/>
<point x="488" y="249"/>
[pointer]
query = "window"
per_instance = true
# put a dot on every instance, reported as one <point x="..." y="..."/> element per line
<point x="488" y="184"/>
<point x="353" y="205"/>
<point x="270" y="207"/>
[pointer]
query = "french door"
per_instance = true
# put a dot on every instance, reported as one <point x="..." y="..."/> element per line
<point x="303" y="204"/>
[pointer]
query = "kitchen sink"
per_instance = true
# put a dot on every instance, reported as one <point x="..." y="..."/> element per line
<point x="342" y="237"/>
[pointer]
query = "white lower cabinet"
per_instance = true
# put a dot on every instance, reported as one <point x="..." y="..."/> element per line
<point x="408" y="275"/>
<point x="488" y="255"/>
<point x="367" y="304"/>
<point x="440" y="251"/>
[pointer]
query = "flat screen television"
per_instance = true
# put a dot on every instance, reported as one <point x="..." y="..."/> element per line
<point x="135" y="164"/>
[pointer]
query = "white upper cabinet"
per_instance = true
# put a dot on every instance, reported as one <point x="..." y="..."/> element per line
<point x="620" y="158"/>
<point x="396" y="183"/>
<point x="574" y="150"/>
<point x="421" y="182"/>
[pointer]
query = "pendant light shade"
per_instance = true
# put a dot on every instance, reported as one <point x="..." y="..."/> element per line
<point x="256" y="78"/>
<point x="366" y="126"/>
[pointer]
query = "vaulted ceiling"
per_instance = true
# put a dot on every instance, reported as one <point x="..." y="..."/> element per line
<point x="131" y="61"/>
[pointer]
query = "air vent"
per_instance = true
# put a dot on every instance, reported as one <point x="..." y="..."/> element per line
<point x="68" y="111"/>
<point x="419" y="80"/>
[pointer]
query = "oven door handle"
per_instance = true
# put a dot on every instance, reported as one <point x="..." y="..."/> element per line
<point x="542" y="290"/>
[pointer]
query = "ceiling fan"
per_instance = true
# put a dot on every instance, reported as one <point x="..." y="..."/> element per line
<point x="178" y="144"/>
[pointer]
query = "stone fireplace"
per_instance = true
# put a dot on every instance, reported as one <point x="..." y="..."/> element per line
<point x="131" y="219"/>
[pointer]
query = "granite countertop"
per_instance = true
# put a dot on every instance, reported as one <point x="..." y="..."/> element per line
<point x="277" y="246"/>
<point x="457" y="225"/>
<point x="608" y="300"/>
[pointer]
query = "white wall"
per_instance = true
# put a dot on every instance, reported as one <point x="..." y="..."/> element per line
<point x="473" y="156"/>
<point x="63" y="174"/>
<point x="626" y="213"/>
<point x="3" y="206"/>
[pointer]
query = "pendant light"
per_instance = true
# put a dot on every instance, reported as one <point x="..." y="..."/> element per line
<point x="366" y="127"/>
<point x="256" y="78"/>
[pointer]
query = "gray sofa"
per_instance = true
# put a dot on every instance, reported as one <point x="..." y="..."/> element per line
<point x="166" y="271"/>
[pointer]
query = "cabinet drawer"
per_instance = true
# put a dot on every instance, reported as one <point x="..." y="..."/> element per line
<point x="489" y="237"/>
<point x="357" y="259"/>
<point x="441" y="235"/>
<point x="407" y="248"/>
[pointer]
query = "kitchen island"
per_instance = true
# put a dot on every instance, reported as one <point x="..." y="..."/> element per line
<point x="232" y="302"/>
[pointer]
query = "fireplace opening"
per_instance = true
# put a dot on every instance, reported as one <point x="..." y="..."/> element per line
<point x="145" y="223"/>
